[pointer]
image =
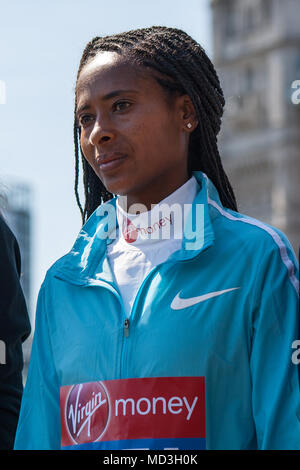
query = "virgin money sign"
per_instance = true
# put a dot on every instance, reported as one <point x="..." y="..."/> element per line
<point x="145" y="413"/>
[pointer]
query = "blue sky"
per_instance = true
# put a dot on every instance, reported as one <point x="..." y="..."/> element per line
<point x="41" y="43"/>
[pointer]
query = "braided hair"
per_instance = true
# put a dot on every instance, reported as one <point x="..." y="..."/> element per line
<point x="180" y="65"/>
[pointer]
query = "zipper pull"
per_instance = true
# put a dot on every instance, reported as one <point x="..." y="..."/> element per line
<point x="126" y="328"/>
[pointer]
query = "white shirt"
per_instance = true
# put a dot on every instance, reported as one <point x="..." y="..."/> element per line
<point x="148" y="239"/>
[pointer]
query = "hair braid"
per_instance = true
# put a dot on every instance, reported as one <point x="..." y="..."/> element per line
<point x="180" y="65"/>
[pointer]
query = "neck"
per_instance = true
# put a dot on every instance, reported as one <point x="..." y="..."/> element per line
<point x="149" y="197"/>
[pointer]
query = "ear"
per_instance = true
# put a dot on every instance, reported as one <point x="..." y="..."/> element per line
<point x="187" y="114"/>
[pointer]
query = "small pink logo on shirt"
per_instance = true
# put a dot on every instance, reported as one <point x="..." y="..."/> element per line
<point x="129" y="230"/>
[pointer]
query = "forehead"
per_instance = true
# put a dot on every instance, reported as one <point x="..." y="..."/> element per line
<point x="108" y="71"/>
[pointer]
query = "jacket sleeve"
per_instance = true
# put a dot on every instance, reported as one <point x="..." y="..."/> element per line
<point x="39" y="422"/>
<point x="14" y="329"/>
<point x="275" y="378"/>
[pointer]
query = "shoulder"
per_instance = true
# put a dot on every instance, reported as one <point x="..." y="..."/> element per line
<point x="251" y="231"/>
<point x="258" y="242"/>
<point x="54" y="269"/>
<point x="10" y="252"/>
<point x="89" y="243"/>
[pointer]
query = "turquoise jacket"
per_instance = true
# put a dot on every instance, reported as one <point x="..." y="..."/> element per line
<point x="224" y="308"/>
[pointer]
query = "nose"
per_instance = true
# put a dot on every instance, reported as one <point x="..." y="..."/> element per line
<point x="100" y="134"/>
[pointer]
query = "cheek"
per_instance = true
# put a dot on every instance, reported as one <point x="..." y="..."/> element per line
<point x="85" y="145"/>
<point x="151" y="133"/>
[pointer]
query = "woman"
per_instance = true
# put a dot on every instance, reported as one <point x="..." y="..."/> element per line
<point x="148" y="340"/>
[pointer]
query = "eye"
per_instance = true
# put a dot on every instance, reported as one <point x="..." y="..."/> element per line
<point x="121" y="105"/>
<point x="85" y="119"/>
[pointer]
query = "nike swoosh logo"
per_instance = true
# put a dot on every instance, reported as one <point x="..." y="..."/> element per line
<point x="178" y="303"/>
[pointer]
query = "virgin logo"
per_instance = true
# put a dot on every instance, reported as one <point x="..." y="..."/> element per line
<point x="129" y="230"/>
<point x="87" y="412"/>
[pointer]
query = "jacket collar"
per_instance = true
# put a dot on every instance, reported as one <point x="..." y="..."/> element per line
<point x="87" y="263"/>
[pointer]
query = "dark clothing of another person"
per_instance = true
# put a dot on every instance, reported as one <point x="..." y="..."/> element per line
<point x="14" y="329"/>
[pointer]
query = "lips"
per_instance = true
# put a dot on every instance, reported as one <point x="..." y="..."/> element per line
<point x="111" y="160"/>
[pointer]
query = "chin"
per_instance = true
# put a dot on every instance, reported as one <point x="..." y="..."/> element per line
<point x="118" y="186"/>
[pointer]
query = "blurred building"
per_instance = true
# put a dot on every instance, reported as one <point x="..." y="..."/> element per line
<point x="17" y="213"/>
<point x="257" y="57"/>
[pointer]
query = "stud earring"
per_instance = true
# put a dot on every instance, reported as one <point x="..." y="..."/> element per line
<point x="189" y="125"/>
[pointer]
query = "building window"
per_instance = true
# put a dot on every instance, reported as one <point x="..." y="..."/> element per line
<point x="230" y="6"/>
<point x="266" y="10"/>
<point x="249" y="19"/>
<point x="249" y="79"/>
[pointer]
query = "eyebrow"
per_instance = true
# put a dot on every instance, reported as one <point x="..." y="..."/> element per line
<point x="107" y="97"/>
